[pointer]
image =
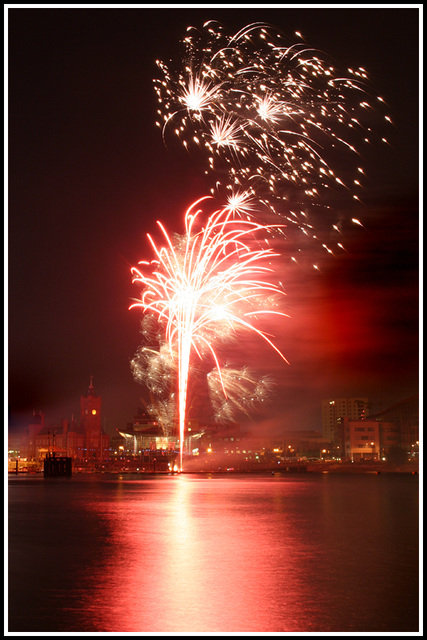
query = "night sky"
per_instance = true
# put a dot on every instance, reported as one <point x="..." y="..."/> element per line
<point x="88" y="175"/>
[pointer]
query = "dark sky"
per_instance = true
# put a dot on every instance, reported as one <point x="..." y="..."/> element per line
<point x="88" y="175"/>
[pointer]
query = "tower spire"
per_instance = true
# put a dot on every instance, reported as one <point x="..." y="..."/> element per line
<point x="91" y="391"/>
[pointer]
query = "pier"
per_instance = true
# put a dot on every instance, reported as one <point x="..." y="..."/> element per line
<point x="55" y="466"/>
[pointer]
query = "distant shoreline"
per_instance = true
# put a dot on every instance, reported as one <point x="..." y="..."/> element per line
<point x="287" y="469"/>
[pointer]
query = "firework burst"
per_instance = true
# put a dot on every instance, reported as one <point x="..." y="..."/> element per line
<point x="204" y="288"/>
<point x="272" y="122"/>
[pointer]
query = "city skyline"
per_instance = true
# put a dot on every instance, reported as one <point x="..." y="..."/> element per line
<point x="322" y="426"/>
<point x="89" y="175"/>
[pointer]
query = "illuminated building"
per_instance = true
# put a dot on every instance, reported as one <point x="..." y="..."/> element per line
<point x="380" y="435"/>
<point x="361" y="440"/>
<point x="67" y="439"/>
<point x="334" y="410"/>
<point x="145" y="433"/>
<point x="96" y="441"/>
<point x="84" y="442"/>
<point x="304" y="443"/>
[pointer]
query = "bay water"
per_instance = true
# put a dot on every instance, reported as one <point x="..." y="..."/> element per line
<point x="213" y="554"/>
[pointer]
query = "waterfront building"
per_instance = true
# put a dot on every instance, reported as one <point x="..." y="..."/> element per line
<point x="145" y="433"/>
<point x="217" y="436"/>
<point x="360" y="440"/>
<point x="383" y="434"/>
<point x="305" y="443"/>
<point x="405" y="417"/>
<point x="334" y="410"/>
<point x="96" y="441"/>
<point x="84" y="442"/>
<point x="40" y="439"/>
<point x="292" y="444"/>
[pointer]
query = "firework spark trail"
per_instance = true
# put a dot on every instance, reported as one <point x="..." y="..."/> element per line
<point x="270" y="117"/>
<point x="155" y="367"/>
<point x="209" y="284"/>
<point x="245" y="392"/>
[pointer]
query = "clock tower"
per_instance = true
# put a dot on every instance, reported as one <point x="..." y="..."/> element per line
<point x="90" y="421"/>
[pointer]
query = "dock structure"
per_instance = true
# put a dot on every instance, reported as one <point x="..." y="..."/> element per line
<point x="56" y="466"/>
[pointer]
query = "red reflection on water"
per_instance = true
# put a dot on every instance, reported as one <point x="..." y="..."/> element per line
<point x="300" y="553"/>
<point x="188" y="557"/>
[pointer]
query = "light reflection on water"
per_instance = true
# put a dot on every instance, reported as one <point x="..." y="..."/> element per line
<point x="194" y="553"/>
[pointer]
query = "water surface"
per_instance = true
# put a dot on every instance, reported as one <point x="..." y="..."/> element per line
<point x="198" y="553"/>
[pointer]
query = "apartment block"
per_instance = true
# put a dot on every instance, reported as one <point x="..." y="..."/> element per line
<point x="334" y="410"/>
